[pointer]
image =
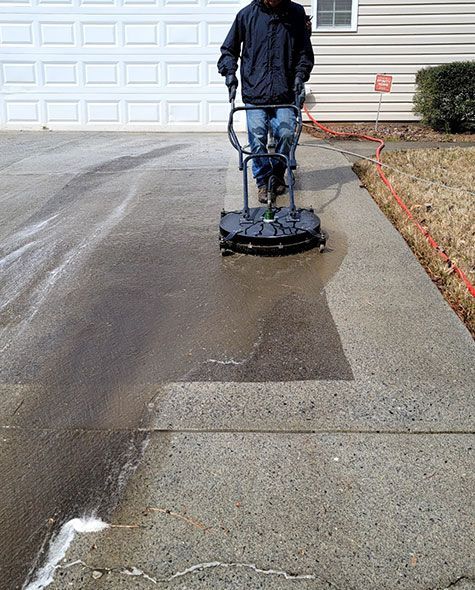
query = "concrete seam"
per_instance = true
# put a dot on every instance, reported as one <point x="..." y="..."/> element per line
<point x="240" y="431"/>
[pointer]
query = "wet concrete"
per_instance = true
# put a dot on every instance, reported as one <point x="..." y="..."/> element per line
<point x="113" y="284"/>
<point x="155" y="302"/>
<point x="50" y="476"/>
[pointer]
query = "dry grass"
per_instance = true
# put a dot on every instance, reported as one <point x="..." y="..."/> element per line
<point x="449" y="215"/>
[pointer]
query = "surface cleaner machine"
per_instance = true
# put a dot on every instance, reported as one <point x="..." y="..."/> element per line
<point x="269" y="230"/>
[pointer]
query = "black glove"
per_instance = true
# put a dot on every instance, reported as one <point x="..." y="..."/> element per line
<point x="232" y="84"/>
<point x="298" y="85"/>
<point x="299" y="89"/>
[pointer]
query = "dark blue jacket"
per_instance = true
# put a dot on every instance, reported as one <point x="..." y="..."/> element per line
<point x="273" y="46"/>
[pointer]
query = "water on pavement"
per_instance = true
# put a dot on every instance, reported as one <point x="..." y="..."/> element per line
<point x="112" y="284"/>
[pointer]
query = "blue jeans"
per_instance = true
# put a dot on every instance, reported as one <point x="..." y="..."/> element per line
<point x="282" y="123"/>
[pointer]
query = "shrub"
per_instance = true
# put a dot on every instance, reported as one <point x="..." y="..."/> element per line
<point x="445" y="96"/>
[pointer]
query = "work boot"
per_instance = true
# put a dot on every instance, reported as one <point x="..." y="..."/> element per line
<point x="278" y="187"/>
<point x="262" y="193"/>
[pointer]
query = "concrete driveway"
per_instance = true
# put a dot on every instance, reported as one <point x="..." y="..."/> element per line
<point x="302" y="421"/>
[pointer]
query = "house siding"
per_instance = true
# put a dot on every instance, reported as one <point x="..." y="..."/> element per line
<point x="398" y="39"/>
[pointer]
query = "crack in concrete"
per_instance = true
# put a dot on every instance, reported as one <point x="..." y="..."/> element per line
<point x="214" y="564"/>
<point x="199" y="567"/>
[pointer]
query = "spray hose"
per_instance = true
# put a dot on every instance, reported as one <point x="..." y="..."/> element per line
<point x="379" y="166"/>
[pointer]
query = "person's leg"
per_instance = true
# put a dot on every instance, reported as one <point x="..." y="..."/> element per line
<point x="257" y="130"/>
<point x="283" y="124"/>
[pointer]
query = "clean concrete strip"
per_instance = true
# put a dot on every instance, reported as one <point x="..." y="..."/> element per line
<point x="265" y="511"/>
<point x="315" y="406"/>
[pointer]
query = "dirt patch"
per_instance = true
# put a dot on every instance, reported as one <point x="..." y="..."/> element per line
<point x="391" y="132"/>
<point x="446" y="211"/>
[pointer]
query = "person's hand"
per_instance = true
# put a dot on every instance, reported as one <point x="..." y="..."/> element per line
<point x="298" y="85"/>
<point x="232" y="84"/>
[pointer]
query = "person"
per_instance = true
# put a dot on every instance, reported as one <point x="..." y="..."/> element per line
<point x="272" y="39"/>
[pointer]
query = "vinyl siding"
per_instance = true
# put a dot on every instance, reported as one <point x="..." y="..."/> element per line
<point x="398" y="39"/>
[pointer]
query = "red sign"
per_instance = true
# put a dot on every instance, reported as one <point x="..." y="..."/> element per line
<point x="383" y="83"/>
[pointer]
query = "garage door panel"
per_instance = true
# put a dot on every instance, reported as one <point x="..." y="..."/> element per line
<point x="23" y="111"/>
<point x="63" y="111"/>
<point x="19" y="73"/>
<point x="59" y="74"/>
<point x="56" y="34"/>
<point x="16" y="34"/>
<point x="182" y="34"/>
<point x="144" y="34"/>
<point x="102" y="111"/>
<point x="183" y="74"/>
<point x="140" y="74"/>
<point x="142" y="111"/>
<point x="101" y="74"/>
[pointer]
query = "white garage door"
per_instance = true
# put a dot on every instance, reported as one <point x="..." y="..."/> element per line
<point x="113" y="64"/>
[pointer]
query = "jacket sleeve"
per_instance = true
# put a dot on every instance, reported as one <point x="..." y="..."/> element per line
<point x="305" y="56"/>
<point x="230" y="50"/>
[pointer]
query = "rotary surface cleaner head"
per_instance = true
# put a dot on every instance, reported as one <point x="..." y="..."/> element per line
<point x="270" y="231"/>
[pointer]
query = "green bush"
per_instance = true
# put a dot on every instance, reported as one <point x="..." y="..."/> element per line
<point x="445" y="96"/>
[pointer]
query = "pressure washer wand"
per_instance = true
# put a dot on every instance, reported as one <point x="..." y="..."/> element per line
<point x="269" y="215"/>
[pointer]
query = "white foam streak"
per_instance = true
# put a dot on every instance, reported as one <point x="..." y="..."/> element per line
<point x="30" y="230"/>
<point x="59" y="545"/>
<point x="227" y="362"/>
<point x="89" y="243"/>
<point x="15" y="254"/>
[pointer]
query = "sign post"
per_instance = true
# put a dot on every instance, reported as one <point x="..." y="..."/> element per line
<point x="383" y="83"/>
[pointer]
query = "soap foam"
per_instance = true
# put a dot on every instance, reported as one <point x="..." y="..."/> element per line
<point x="58" y="547"/>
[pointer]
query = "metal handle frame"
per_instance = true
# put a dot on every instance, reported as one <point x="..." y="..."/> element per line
<point x="245" y="212"/>
<point x="289" y="161"/>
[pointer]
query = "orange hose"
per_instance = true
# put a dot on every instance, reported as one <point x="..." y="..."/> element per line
<point x="400" y="202"/>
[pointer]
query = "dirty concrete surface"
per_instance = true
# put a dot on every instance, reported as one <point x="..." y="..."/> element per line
<point x="304" y="420"/>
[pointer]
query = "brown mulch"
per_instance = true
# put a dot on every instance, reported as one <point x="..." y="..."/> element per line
<point x="391" y="132"/>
